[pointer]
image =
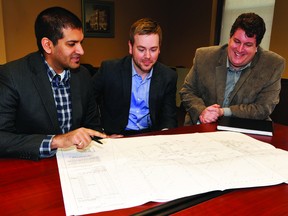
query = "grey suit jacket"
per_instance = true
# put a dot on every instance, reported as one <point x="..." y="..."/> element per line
<point x="112" y="86"/>
<point x="255" y="95"/>
<point x="27" y="108"/>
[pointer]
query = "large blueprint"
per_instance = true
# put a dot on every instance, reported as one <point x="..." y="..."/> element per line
<point x="127" y="172"/>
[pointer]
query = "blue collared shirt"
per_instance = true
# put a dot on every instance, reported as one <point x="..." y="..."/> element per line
<point x="61" y="91"/>
<point x="232" y="78"/>
<point x="139" y="114"/>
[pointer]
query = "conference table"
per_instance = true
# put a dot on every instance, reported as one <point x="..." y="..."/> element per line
<point x="33" y="188"/>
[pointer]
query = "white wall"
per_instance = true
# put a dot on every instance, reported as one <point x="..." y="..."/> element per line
<point x="233" y="8"/>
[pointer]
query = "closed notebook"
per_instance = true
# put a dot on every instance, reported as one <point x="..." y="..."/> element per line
<point x="250" y="126"/>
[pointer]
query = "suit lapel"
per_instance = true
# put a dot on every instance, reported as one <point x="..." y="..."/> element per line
<point x="43" y="86"/>
<point x="153" y="92"/>
<point x="244" y="75"/>
<point x="221" y="73"/>
<point x="126" y="74"/>
<point x="221" y="76"/>
<point x="76" y="98"/>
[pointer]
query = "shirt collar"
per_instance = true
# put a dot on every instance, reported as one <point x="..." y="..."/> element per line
<point x="65" y="75"/>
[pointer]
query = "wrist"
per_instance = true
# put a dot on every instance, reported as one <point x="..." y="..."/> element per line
<point x="201" y="119"/>
<point x="221" y="112"/>
<point x="54" y="141"/>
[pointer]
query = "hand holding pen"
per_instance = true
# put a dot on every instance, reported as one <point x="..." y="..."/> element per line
<point x="97" y="139"/>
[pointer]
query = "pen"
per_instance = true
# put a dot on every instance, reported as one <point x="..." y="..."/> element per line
<point x="97" y="139"/>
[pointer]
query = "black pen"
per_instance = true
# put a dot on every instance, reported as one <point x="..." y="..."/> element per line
<point x="97" y="139"/>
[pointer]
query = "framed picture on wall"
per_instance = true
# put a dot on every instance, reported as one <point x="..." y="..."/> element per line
<point x="98" y="18"/>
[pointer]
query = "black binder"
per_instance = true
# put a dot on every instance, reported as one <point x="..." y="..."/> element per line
<point x="250" y="126"/>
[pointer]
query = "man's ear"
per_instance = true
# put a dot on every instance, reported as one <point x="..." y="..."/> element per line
<point x="130" y="46"/>
<point x="47" y="45"/>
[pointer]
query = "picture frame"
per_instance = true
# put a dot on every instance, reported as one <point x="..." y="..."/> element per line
<point x="98" y="18"/>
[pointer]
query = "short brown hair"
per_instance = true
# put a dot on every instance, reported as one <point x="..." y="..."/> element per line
<point x="145" y="26"/>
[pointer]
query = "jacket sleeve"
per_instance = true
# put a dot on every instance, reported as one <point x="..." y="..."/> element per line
<point x="12" y="144"/>
<point x="169" y="113"/>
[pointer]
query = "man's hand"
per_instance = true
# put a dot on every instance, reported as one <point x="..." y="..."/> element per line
<point x="80" y="137"/>
<point x="115" y="136"/>
<point x="211" y="114"/>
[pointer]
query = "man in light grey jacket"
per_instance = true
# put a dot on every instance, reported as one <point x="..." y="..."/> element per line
<point x="239" y="79"/>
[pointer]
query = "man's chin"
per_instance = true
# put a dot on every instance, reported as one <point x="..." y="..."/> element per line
<point x="146" y="68"/>
<point x="75" y="65"/>
<point x="237" y="64"/>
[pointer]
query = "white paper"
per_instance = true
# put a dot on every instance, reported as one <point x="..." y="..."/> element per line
<point x="127" y="172"/>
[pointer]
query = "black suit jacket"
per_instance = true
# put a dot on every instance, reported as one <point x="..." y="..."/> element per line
<point x="112" y="86"/>
<point x="27" y="108"/>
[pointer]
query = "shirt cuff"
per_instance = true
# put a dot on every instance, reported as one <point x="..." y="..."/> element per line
<point x="227" y="111"/>
<point x="45" y="150"/>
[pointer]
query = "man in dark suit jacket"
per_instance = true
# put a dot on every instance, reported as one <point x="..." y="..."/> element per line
<point x="137" y="93"/>
<point x="46" y="96"/>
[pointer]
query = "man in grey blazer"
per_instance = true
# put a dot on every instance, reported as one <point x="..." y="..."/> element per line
<point x="137" y="94"/>
<point x="46" y="97"/>
<point x="239" y="79"/>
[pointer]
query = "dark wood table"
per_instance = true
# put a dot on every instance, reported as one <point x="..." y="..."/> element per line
<point x="33" y="188"/>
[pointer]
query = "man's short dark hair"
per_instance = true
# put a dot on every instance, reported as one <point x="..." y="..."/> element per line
<point x="252" y="24"/>
<point x="50" y="23"/>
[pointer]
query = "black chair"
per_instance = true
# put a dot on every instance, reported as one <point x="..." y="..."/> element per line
<point x="280" y="113"/>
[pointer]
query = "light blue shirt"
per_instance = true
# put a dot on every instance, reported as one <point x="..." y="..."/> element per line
<point x="139" y="114"/>
<point x="232" y="78"/>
